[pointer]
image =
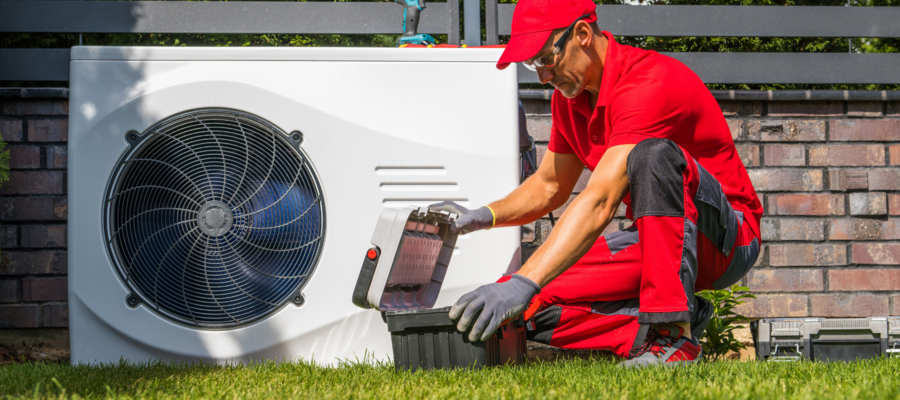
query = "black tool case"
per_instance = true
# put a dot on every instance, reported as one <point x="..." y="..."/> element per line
<point x="428" y="339"/>
<point x="826" y="339"/>
<point x="402" y="276"/>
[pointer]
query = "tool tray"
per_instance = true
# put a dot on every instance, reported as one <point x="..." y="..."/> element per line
<point x="401" y="276"/>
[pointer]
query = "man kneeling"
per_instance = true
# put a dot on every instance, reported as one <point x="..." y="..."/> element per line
<point x="654" y="138"/>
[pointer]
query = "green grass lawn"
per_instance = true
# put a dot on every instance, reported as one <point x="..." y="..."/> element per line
<point x="575" y="378"/>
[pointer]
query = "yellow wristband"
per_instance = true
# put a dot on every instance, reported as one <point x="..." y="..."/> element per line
<point x="493" y="216"/>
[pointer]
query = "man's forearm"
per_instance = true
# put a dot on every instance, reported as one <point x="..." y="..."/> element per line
<point x="572" y="237"/>
<point x="530" y="201"/>
<point x="584" y="220"/>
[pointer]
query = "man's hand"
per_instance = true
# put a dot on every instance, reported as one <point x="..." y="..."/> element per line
<point x="468" y="220"/>
<point x="497" y="302"/>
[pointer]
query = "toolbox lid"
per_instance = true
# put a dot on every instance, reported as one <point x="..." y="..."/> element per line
<point x="405" y="268"/>
<point x="399" y="321"/>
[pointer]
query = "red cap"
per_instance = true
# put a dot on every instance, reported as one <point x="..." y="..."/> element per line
<point x="533" y="22"/>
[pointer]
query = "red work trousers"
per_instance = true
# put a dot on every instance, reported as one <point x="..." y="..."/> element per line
<point x="686" y="237"/>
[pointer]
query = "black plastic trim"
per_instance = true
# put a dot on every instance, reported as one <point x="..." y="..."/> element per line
<point x="366" y="273"/>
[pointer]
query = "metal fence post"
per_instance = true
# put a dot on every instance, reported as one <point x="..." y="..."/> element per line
<point x="453" y="29"/>
<point x="490" y="23"/>
<point x="472" y="23"/>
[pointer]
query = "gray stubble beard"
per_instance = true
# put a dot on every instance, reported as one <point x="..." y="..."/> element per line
<point x="576" y="89"/>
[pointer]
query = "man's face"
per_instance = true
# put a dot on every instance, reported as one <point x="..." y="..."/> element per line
<point x="571" y="64"/>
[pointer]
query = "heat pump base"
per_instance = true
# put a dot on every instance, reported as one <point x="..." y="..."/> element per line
<point x="428" y="339"/>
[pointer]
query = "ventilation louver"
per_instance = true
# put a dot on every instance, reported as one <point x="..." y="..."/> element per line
<point x="214" y="218"/>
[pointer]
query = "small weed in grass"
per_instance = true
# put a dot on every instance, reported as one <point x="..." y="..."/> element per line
<point x="575" y="378"/>
<point x="719" y="338"/>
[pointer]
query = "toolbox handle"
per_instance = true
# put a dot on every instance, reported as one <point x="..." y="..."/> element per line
<point x="366" y="273"/>
<point x="773" y="357"/>
<point x="894" y="351"/>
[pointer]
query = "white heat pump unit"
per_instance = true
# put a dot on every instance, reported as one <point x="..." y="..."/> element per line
<point x="222" y="200"/>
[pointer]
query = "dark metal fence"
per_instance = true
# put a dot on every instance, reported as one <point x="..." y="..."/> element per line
<point x="750" y="21"/>
<point x="444" y="18"/>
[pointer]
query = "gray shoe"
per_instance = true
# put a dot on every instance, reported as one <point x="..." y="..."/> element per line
<point x="702" y="315"/>
<point x="665" y="346"/>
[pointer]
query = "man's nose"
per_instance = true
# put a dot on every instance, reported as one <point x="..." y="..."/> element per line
<point x="544" y="75"/>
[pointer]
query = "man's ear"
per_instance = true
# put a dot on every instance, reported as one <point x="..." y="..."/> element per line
<point x="584" y="34"/>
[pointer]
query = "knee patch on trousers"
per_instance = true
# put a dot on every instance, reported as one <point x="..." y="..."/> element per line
<point x="543" y="324"/>
<point x="655" y="174"/>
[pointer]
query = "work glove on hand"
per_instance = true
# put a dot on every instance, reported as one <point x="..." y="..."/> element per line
<point x="468" y="220"/>
<point x="497" y="302"/>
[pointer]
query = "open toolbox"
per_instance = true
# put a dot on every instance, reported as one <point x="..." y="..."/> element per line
<point x="401" y="276"/>
<point x="826" y="339"/>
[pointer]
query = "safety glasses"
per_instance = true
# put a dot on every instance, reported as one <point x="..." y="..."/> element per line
<point x="548" y="61"/>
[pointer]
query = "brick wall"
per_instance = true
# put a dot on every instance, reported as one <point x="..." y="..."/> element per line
<point x="827" y="173"/>
<point x="828" y="176"/>
<point x="33" y="215"/>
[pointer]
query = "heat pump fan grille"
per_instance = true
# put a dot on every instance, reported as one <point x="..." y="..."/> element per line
<point x="214" y="218"/>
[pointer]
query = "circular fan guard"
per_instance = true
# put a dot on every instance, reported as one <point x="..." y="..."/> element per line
<point x="214" y="218"/>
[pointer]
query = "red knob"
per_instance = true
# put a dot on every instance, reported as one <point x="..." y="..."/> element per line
<point x="371" y="254"/>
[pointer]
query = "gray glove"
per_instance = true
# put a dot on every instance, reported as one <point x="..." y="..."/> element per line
<point x="468" y="220"/>
<point x="497" y="302"/>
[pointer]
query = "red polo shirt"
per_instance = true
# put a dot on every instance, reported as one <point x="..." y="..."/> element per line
<point x="644" y="94"/>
